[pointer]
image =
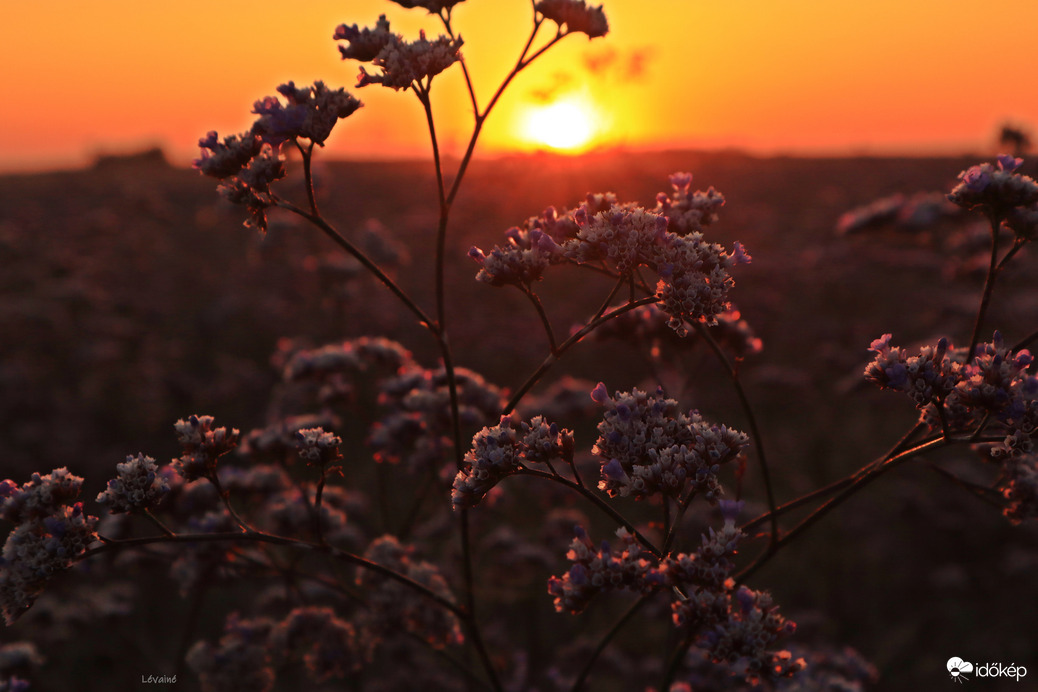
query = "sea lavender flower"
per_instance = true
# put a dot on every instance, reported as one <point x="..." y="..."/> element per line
<point x="927" y="378"/>
<point x="349" y="357"/>
<point x="503" y="450"/>
<point x="711" y="566"/>
<point x="364" y="44"/>
<point x="1021" y="488"/>
<point x="241" y="660"/>
<point x="317" y="447"/>
<point x="310" y="112"/>
<point x="405" y="63"/>
<point x="752" y="626"/>
<point x="326" y="644"/>
<point x="434" y="6"/>
<point x="48" y="535"/>
<point x="250" y="188"/>
<point x="605" y="569"/>
<point x="995" y="189"/>
<point x="991" y="381"/>
<point x="394" y="608"/>
<point x="521" y="261"/>
<point x="39" y="497"/>
<point x="576" y="15"/>
<point x="647" y="446"/>
<point x="625" y="236"/>
<point x="687" y="211"/>
<point x="417" y="428"/>
<point x="138" y="486"/>
<point x="202" y="445"/>
<point x="227" y="158"/>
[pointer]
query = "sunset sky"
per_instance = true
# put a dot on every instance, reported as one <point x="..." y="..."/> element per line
<point x="799" y="76"/>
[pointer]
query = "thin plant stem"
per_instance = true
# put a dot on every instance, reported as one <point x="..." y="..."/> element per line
<point x="307" y="154"/>
<point x="110" y="544"/>
<point x="675" y="661"/>
<point x="669" y="536"/>
<point x="666" y="521"/>
<point x="225" y="497"/>
<point x="989" y="286"/>
<point x="193" y="611"/>
<point x="609" y="298"/>
<point x="544" y="318"/>
<point x="758" y="441"/>
<point x="860" y="481"/>
<point x="573" y="339"/>
<point x="598" y="502"/>
<point x="578" y="685"/>
<point x="368" y="264"/>
<point x="799" y="502"/>
<point x="1026" y="341"/>
<point x="470" y="602"/>
<point x="155" y="520"/>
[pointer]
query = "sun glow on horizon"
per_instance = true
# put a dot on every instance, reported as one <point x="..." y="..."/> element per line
<point x="568" y="124"/>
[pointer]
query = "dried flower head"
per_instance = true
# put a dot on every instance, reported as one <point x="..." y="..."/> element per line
<point x="434" y="6"/>
<point x="203" y="445"/>
<point x="995" y="189"/>
<point x="394" y="609"/>
<point x="648" y="446"/>
<point x="504" y="449"/>
<point x="241" y="660"/>
<point x="49" y="534"/>
<point x="325" y="643"/>
<point x="310" y="112"/>
<point x="138" y="486"/>
<point x="605" y="569"/>
<point x="405" y="63"/>
<point x="364" y="44"/>
<point x="576" y="16"/>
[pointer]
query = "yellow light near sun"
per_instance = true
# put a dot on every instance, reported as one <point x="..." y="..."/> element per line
<point x="566" y="125"/>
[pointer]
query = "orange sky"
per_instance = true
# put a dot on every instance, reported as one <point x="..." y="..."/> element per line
<point x="808" y="76"/>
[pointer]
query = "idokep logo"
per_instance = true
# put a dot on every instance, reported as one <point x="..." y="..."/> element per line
<point x="961" y="670"/>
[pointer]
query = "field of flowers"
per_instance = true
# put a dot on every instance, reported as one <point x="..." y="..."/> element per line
<point x="609" y="422"/>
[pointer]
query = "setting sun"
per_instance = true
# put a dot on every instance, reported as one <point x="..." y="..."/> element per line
<point x="566" y="125"/>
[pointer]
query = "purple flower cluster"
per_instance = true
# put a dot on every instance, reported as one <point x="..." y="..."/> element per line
<point x="417" y="428"/>
<point x="49" y="534"/>
<point x="694" y="276"/>
<point x="434" y="6"/>
<point x="249" y="162"/>
<point x="310" y="113"/>
<point x="138" y="487"/>
<point x="404" y="63"/>
<point x="326" y="644"/>
<point x="687" y="211"/>
<point x="317" y="447"/>
<point x="995" y="189"/>
<point x="393" y="608"/>
<point x="202" y="446"/>
<point x="927" y="378"/>
<point x="903" y="212"/>
<point x="521" y="261"/>
<point x="732" y="624"/>
<point x="606" y="569"/>
<point x="335" y="365"/>
<point x="241" y="660"/>
<point x="576" y="15"/>
<point x="995" y="384"/>
<point x="504" y="449"/>
<point x="647" y="325"/>
<point x="648" y="446"/>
